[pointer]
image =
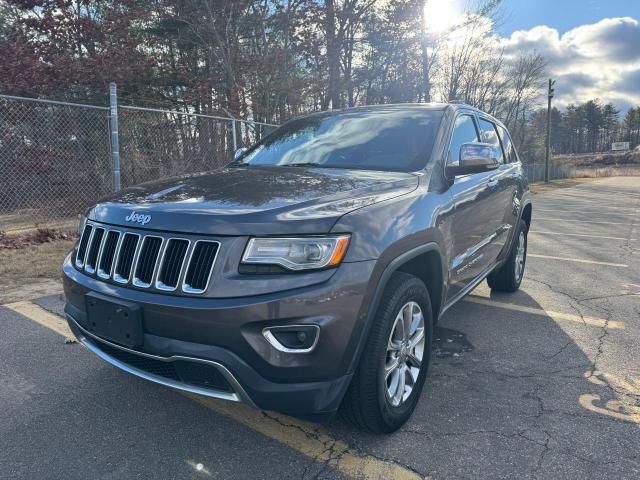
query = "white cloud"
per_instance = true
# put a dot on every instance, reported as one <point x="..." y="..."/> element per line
<point x="599" y="60"/>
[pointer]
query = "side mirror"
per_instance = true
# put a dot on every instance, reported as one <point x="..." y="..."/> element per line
<point x="474" y="158"/>
<point x="239" y="152"/>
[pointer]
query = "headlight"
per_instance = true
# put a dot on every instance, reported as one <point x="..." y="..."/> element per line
<point x="301" y="253"/>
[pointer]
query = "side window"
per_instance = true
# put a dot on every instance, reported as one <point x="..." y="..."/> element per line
<point x="464" y="131"/>
<point x="507" y="145"/>
<point x="490" y="135"/>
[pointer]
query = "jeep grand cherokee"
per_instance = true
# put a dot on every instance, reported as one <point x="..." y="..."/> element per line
<point x="308" y="274"/>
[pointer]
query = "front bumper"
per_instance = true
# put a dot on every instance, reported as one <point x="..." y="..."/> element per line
<point x="225" y="336"/>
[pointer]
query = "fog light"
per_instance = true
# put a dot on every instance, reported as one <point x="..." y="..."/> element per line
<point x="293" y="338"/>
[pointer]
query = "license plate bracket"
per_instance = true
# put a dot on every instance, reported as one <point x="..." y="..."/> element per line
<point x="112" y="319"/>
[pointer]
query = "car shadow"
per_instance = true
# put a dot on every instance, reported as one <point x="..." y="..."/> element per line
<point x="510" y="393"/>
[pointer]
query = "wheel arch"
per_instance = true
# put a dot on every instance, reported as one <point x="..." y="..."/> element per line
<point x="429" y="255"/>
<point x="527" y="211"/>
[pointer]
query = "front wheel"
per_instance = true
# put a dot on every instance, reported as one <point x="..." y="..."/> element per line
<point x="509" y="276"/>
<point x="387" y="384"/>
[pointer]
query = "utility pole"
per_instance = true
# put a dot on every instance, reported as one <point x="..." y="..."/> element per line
<point x="548" y="141"/>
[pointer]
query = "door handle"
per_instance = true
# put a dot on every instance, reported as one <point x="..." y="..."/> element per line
<point x="493" y="181"/>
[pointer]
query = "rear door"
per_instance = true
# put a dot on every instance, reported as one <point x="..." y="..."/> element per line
<point x="477" y="213"/>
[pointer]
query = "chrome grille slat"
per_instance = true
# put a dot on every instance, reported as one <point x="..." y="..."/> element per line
<point x="126" y="257"/>
<point x="147" y="261"/>
<point x="107" y="257"/>
<point x="161" y="262"/>
<point x="83" y="245"/>
<point x="170" y="267"/>
<point x="200" y="265"/>
<point x="95" y="247"/>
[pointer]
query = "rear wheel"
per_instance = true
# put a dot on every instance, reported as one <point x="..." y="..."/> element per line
<point x="387" y="384"/>
<point x="509" y="276"/>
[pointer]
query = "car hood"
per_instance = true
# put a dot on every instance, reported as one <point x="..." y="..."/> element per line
<point x="251" y="200"/>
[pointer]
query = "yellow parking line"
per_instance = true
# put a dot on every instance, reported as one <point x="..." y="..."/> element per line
<point x="580" y="221"/>
<point x="311" y="440"/>
<point x="544" y="232"/>
<point x="307" y="438"/>
<point x="588" y="212"/>
<point x="596" y="322"/>
<point x="541" y="205"/>
<point x="578" y="260"/>
<point x="43" y="317"/>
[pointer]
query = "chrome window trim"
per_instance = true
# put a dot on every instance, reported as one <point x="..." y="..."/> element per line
<point x="92" y="270"/>
<point x="238" y="394"/>
<point x="118" y="278"/>
<point x="187" y="288"/>
<point x="101" y="273"/>
<point x="136" y="282"/>
<point x="161" y="286"/>
<point x="270" y="337"/>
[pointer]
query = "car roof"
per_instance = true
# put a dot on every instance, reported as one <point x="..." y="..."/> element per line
<point x="405" y="107"/>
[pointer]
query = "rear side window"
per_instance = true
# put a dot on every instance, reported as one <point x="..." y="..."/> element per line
<point x="490" y="135"/>
<point x="464" y="131"/>
<point x="507" y="145"/>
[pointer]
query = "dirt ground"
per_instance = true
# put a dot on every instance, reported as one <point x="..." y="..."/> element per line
<point x="32" y="270"/>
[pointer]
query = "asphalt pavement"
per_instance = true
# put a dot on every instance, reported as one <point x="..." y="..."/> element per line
<point x="543" y="383"/>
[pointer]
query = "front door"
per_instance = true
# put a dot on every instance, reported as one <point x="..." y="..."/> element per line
<point x="478" y="214"/>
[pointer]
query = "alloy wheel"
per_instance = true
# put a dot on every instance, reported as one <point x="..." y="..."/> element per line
<point x="405" y="351"/>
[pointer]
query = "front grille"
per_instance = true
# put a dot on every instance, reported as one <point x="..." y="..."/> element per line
<point x="82" y="247"/>
<point x="188" y="372"/>
<point x="108" y="253"/>
<point x="125" y="257"/>
<point x="94" y="249"/>
<point x="199" y="271"/>
<point x="172" y="262"/>
<point x="146" y="261"/>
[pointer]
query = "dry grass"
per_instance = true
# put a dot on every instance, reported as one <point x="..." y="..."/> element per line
<point x="541" y="187"/>
<point x="613" y="171"/>
<point x="22" y="221"/>
<point x="32" y="271"/>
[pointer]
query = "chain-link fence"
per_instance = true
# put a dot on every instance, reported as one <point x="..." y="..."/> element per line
<point x="56" y="157"/>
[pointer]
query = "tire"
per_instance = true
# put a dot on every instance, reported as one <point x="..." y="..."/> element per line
<point x="368" y="403"/>
<point x="508" y="277"/>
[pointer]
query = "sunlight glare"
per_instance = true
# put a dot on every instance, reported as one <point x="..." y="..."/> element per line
<point x="441" y="15"/>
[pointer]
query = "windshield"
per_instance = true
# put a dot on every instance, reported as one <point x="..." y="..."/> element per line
<point x="391" y="140"/>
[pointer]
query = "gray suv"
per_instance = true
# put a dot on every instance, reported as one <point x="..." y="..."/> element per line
<point x="306" y="277"/>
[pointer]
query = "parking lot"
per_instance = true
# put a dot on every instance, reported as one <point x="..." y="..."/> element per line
<point x="543" y="383"/>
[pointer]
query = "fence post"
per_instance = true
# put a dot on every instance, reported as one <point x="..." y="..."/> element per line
<point x="115" y="144"/>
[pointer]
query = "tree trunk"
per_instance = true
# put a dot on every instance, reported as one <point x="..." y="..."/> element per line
<point x="333" y="57"/>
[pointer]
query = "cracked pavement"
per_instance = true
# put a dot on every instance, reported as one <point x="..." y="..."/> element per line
<point x="510" y="394"/>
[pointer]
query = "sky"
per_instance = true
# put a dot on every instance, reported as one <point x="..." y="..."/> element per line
<point x="592" y="46"/>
